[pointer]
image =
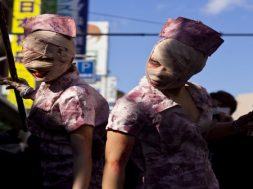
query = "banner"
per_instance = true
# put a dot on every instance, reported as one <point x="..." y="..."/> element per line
<point x="78" y="10"/>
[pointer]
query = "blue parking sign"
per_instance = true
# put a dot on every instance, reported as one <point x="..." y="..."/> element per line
<point x="86" y="69"/>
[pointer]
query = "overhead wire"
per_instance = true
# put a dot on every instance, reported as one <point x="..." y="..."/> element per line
<point x="126" y="18"/>
<point x="156" y="34"/>
<point x="149" y="34"/>
<point x="150" y="22"/>
<point x="144" y="34"/>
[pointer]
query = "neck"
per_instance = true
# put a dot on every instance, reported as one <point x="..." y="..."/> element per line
<point x="173" y="93"/>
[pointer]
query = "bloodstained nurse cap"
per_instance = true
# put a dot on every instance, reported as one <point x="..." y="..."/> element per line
<point x="50" y="22"/>
<point x="192" y="33"/>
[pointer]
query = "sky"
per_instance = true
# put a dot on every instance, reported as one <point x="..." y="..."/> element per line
<point x="229" y="68"/>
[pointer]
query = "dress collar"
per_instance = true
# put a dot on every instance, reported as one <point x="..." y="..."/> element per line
<point x="160" y="102"/>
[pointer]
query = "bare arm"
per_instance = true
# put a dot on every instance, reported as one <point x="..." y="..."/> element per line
<point x="118" y="150"/>
<point x="22" y="86"/>
<point x="222" y="129"/>
<point x="81" y="140"/>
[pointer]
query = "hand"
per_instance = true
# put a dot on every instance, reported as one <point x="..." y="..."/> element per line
<point x="23" y="136"/>
<point x="21" y="85"/>
<point x="245" y="122"/>
<point x="222" y="117"/>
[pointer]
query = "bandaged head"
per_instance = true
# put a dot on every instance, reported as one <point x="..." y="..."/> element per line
<point x="48" y="48"/>
<point x="181" y="52"/>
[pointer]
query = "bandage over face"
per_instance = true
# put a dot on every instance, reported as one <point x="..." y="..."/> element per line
<point x="178" y="63"/>
<point x="181" y="52"/>
<point x="47" y="55"/>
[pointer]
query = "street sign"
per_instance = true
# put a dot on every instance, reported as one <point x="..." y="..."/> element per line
<point x="86" y="69"/>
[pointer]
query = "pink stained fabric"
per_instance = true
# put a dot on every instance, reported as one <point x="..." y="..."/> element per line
<point x="169" y="147"/>
<point x="192" y="33"/>
<point x="64" y="106"/>
<point x="50" y="22"/>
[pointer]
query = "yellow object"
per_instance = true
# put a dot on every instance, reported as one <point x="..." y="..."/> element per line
<point x="21" y="11"/>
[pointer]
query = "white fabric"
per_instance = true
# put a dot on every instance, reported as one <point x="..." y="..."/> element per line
<point x="178" y="63"/>
<point x="48" y="52"/>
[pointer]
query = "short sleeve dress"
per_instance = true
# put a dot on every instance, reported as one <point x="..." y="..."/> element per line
<point x="170" y="149"/>
<point x="58" y="109"/>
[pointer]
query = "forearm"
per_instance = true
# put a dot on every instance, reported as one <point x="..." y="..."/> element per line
<point x="241" y="125"/>
<point x="113" y="176"/>
<point x="82" y="146"/>
<point x="82" y="172"/>
<point x="21" y="86"/>
<point x="117" y="153"/>
<point x="221" y="129"/>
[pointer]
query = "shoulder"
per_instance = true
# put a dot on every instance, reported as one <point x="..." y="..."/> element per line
<point x="126" y="115"/>
<point x="200" y="93"/>
<point x="135" y="98"/>
<point x="134" y="105"/>
<point x="198" y="88"/>
<point x="80" y="88"/>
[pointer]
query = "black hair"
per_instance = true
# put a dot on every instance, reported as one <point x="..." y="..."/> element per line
<point x="226" y="99"/>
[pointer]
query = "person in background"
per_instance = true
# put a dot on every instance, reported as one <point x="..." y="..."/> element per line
<point x="231" y="156"/>
<point x="224" y="105"/>
<point x="68" y="116"/>
<point x="162" y="123"/>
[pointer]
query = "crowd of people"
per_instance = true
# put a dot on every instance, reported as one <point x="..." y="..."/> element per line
<point x="163" y="134"/>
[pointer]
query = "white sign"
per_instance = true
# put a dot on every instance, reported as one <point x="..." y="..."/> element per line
<point x="107" y="87"/>
<point x="111" y="93"/>
<point x="98" y="45"/>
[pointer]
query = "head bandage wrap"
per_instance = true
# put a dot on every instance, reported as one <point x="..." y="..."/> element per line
<point x="47" y="34"/>
<point x="48" y="49"/>
<point x="48" y="44"/>
<point x="186" y="60"/>
<point x="183" y="48"/>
